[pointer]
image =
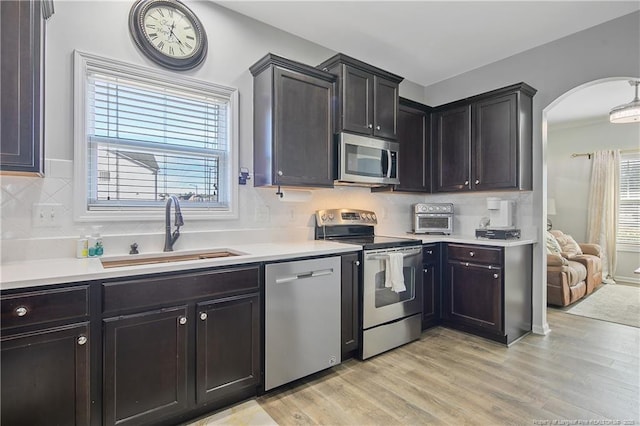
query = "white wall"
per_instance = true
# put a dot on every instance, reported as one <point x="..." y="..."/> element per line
<point x="611" y="49"/>
<point x="568" y="178"/>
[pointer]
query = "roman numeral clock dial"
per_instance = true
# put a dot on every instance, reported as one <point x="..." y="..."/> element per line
<point x="168" y="32"/>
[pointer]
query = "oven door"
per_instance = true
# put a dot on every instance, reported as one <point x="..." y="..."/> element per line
<point x="381" y="304"/>
<point x="433" y="222"/>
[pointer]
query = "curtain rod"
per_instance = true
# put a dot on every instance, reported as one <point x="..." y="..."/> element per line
<point x="589" y="154"/>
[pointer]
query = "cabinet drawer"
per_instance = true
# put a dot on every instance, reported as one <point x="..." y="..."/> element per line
<point x="476" y="254"/>
<point x="430" y="254"/>
<point x="43" y="306"/>
<point x="157" y="291"/>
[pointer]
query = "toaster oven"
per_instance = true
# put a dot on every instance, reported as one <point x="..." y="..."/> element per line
<point x="433" y="218"/>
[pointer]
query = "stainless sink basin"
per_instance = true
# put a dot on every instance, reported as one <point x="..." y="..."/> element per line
<point x="135" y="260"/>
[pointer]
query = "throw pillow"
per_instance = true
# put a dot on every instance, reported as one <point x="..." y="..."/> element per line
<point x="552" y="244"/>
<point x="569" y="245"/>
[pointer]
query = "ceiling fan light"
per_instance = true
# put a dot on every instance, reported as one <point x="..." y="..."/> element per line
<point x="627" y="113"/>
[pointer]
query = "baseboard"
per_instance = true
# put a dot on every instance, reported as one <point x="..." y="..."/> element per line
<point x="627" y="280"/>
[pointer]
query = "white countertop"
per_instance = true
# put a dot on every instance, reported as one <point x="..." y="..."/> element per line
<point x="31" y="273"/>
<point x="66" y="270"/>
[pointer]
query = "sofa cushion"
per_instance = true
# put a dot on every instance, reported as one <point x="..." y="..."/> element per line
<point x="577" y="272"/>
<point x="552" y="244"/>
<point x="567" y="244"/>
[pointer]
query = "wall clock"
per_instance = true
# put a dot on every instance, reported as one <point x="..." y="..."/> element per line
<point x="168" y="32"/>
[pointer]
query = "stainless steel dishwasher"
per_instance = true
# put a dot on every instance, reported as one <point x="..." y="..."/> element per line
<point x="302" y="319"/>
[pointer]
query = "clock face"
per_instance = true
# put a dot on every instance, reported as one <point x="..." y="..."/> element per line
<point x="168" y="32"/>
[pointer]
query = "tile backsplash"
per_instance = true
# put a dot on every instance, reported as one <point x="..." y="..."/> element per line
<point x="263" y="216"/>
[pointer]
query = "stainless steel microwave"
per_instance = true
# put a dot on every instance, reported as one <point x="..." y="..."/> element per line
<point x="368" y="161"/>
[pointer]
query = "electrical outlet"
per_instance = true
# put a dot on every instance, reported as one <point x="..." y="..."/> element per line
<point x="47" y="215"/>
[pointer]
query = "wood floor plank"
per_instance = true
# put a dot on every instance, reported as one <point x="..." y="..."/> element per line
<point x="583" y="370"/>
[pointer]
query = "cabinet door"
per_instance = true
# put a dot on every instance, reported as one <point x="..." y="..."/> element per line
<point x="228" y="349"/>
<point x="385" y="108"/>
<point x="145" y="366"/>
<point x="21" y="33"/>
<point x="357" y="101"/>
<point x="495" y="143"/>
<point x="45" y="377"/>
<point x="414" y="158"/>
<point x="474" y="295"/>
<point x="452" y="139"/>
<point x="431" y="306"/>
<point x="303" y="130"/>
<point x="350" y="300"/>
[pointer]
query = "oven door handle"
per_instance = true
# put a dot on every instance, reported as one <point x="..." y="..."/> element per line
<point x="382" y="256"/>
<point x="311" y="274"/>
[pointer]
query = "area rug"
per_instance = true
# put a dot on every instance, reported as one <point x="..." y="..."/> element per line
<point x="248" y="413"/>
<point x="611" y="302"/>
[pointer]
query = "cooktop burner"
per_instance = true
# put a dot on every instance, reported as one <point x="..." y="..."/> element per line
<point x="355" y="227"/>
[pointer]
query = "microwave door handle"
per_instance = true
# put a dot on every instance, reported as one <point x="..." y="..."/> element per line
<point x="388" y="173"/>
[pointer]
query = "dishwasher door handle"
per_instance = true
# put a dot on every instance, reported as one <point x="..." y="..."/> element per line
<point x="311" y="274"/>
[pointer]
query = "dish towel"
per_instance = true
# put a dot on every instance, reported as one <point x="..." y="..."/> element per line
<point x="394" y="278"/>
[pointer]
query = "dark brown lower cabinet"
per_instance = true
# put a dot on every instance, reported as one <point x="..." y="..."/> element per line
<point x="145" y="366"/>
<point x="45" y="377"/>
<point x="475" y="295"/>
<point x="227" y="346"/>
<point x="350" y="287"/>
<point x="431" y="281"/>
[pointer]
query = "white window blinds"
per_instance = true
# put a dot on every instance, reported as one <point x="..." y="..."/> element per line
<point x="147" y="140"/>
<point x="629" y="209"/>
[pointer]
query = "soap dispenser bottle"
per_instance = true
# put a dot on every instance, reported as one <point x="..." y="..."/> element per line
<point x="96" y="247"/>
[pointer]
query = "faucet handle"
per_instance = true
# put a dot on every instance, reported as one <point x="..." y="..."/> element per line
<point x="134" y="248"/>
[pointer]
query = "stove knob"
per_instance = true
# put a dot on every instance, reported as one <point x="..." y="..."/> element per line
<point x="430" y="208"/>
<point x="331" y="216"/>
<point x="367" y="216"/>
<point x="422" y="208"/>
<point x="323" y="217"/>
<point x="373" y="216"/>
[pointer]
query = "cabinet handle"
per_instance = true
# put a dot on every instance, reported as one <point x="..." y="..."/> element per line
<point x="466" y="182"/>
<point x="477" y="181"/>
<point x="280" y="173"/>
<point x="357" y="263"/>
<point x="425" y="270"/>
<point x="370" y="126"/>
<point x="21" y="311"/>
<point x="203" y="316"/>
<point x="429" y="251"/>
<point x="377" y="127"/>
<point x="182" y="320"/>
<point x="471" y="254"/>
<point x="82" y="340"/>
<point x="495" y="275"/>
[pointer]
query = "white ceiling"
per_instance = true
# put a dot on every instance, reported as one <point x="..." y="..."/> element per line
<point x="429" y="41"/>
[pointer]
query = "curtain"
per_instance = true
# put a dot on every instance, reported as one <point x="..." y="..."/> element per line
<point x="602" y="220"/>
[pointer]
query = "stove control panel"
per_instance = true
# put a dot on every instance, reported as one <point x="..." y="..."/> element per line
<point x="335" y="217"/>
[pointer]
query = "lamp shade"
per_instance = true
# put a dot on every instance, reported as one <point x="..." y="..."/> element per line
<point x="551" y="206"/>
<point x="627" y="113"/>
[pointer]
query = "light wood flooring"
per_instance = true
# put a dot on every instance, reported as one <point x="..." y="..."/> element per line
<point x="584" y="369"/>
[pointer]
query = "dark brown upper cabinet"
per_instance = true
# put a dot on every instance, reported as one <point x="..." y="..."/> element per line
<point x="293" y="124"/>
<point x="21" y="87"/>
<point x="368" y="97"/>
<point x="484" y="142"/>
<point x="414" y="157"/>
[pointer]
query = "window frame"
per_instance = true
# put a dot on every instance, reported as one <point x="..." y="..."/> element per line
<point x="625" y="246"/>
<point x="83" y="62"/>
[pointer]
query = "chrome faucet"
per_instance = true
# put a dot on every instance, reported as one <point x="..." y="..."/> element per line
<point x="170" y="238"/>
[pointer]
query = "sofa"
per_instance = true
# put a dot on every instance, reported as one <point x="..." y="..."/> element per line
<point x="573" y="270"/>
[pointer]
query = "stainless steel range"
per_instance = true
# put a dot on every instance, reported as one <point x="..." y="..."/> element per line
<point x="391" y="278"/>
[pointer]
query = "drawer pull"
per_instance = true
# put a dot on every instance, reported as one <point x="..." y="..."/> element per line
<point x="182" y="320"/>
<point x="471" y="254"/>
<point x="21" y="311"/>
<point x="429" y="251"/>
<point x="357" y="263"/>
<point x="203" y="316"/>
<point x="495" y="275"/>
<point x="425" y="270"/>
<point x="82" y="340"/>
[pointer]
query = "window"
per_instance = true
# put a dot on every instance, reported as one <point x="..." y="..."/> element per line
<point x="143" y="135"/>
<point x="629" y="209"/>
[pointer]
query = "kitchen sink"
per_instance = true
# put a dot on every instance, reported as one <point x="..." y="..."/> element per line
<point x="135" y="260"/>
